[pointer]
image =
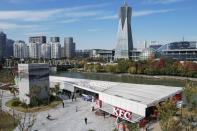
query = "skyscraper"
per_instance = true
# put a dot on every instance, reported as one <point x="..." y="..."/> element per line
<point x="46" y="51"/>
<point x="37" y="39"/>
<point x="69" y="47"/>
<point x="124" y="40"/>
<point x="35" y="50"/>
<point x="2" y="45"/>
<point x="9" y="48"/>
<point x="20" y="49"/>
<point x="55" y="39"/>
<point x="55" y="50"/>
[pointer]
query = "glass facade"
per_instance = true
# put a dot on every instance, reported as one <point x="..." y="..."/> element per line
<point x="184" y="50"/>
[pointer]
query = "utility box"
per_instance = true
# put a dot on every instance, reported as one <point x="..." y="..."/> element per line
<point x="32" y="76"/>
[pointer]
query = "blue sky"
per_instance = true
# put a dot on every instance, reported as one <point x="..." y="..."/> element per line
<point x="94" y="23"/>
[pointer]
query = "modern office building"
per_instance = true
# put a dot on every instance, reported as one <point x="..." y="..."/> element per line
<point x="83" y="53"/>
<point x="9" y="48"/>
<point x="35" y="50"/>
<point x="32" y="76"/>
<point x="107" y="55"/>
<point x="147" y="53"/>
<point x="55" y="50"/>
<point x="46" y="51"/>
<point x="37" y="39"/>
<point x="54" y="39"/>
<point x="183" y="50"/>
<point x="136" y="55"/>
<point x="2" y="45"/>
<point x="141" y="45"/>
<point x="69" y="47"/>
<point x="124" y="40"/>
<point x="20" y="49"/>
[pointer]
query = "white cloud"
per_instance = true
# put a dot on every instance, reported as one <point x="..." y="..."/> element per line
<point x="108" y="17"/>
<point x="94" y="30"/>
<point x="37" y="33"/>
<point x="149" y="12"/>
<point x="28" y="15"/>
<point x="162" y="1"/>
<point x="11" y="26"/>
<point x="68" y="21"/>
<point x="136" y="13"/>
<point x="44" y="15"/>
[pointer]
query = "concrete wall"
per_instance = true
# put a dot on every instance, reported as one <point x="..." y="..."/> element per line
<point x="31" y="75"/>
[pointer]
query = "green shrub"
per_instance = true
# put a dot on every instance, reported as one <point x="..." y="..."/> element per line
<point x="16" y="103"/>
<point x="24" y="105"/>
<point x="35" y="101"/>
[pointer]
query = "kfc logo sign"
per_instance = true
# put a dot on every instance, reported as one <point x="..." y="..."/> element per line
<point x="122" y="113"/>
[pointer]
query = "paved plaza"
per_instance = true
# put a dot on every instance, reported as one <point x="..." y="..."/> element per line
<point x="67" y="119"/>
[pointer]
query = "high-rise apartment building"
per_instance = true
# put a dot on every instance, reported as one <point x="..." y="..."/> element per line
<point x="2" y="45"/>
<point x="20" y="49"/>
<point x="62" y="52"/>
<point x="69" y="47"/>
<point x="55" y="50"/>
<point x="124" y="40"/>
<point x="46" y="51"/>
<point x="37" y="39"/>
<point x="9" y="48"/>
<point x="54" y="39"/>
<point x="35" y="50"/>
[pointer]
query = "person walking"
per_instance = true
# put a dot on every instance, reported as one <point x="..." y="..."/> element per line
<point x="63" y="104"/>
<point x="86" y="120"/>
<point x="72" y="97"/>
<point x="76" y="109"/>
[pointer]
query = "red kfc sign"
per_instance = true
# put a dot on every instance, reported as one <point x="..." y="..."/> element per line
<point x="122" y="113"/>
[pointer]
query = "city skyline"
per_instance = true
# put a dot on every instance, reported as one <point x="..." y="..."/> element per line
<point x="98" y="20"/>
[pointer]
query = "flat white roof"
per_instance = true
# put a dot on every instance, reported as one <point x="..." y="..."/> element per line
<point x="140" y="93"/>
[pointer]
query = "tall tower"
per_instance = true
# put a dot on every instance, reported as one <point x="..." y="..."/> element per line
<point x="124" y="41"/>
<point x="69" y="47"/>
<point x="2" y="45"/>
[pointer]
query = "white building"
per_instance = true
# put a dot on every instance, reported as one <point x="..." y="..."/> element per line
<point x="132" y="102"/>
<point x="141" y="45"/>
<point x="46" y="51"/>
<point x="35" y="50"/>
<point x="20" y="49"/>
<point x="31" y="75"/>
<point x="55" y="50"/>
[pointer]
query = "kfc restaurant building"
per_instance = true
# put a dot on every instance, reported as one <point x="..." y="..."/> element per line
<point x="131" y="102"/>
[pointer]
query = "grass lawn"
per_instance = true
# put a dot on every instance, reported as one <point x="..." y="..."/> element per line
<point x="7" y="122"/>
<point x="33" y="109"/>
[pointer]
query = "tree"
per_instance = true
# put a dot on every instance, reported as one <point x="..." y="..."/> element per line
<point x="190" y="92"/>
<point x="14" y="91"/>
<point x="165" y="111"/>
<point x="110" y="68"/>
<point x="132" y="70"/>
<point x="133" y="126"/>
<point x="97" y="68"/>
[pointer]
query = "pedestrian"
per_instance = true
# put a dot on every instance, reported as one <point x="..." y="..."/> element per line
<point x="72" y="97"/>
<point x="86" y="120"/>
<point x="48" y="116"/>
<point x="104" y="115"/>
<point x="76" y="109"/>
<point x="75" y="98"/>
<point x="63" y="104"/>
